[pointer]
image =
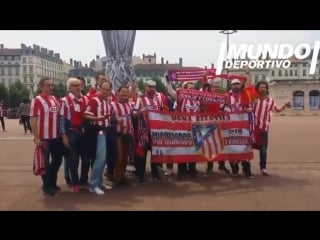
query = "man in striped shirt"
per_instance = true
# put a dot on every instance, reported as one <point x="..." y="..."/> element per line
<point x="121" y="119"/>
<point x="44" y="121"/>
<point x="262" y="107"/>
<point x="186" y="106"/>
<point x="71" y="113"/>
<point x="235" y="104"/>
<point x="149" y="101"/>
<point x="98" y="111"/>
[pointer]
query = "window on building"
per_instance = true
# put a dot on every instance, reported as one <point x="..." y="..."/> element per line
<point x="30" y="59"/>
<point x="304" y="64"/>
<point x="9" y="71"/>
<point x="263" y="77"/>
<point x="2" y="71"/>
<point x="17" y="58"/>
<point x="286" y="73"/>
<point x="291" y="72"/>
<point x="25" y="79"/>
<point x="24" y="60"/>
<point x="314" y="99"/>
<point x="9" y="63"/>
<point x="24" y="69"/>
<point x="280" y="73"/>
<point x="17" y="71"/>
<point x="272" y="73"/>
<point x="304" y="73"/>
<point x="88" y="81"/>
<point x="31" y="69"/>
<point x="31" y="79"/>
<point x="9" y="58"/>
<point x="296" y="72"/>
<point x="298" y="100"/>
<point x="256" y="78"/>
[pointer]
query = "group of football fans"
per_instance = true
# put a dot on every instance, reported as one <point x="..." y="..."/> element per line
<point x="100" y="131"/>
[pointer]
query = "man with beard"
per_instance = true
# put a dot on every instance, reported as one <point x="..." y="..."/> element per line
<point x="262" y="107"/>
<point x="148" y="101"/>
<point x="236" y="104"/>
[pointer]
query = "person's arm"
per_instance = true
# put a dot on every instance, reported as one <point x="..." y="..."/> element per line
<point x="91" y="111"/>
<point x="276" y="109"/>
<point x="133" y="93"/>
<point x="248" y="76"/>
<point x="19" y="111"/>
<point x="63" y="114"/>
<point x="34" y="118"/>
<point x="171" y="91"/>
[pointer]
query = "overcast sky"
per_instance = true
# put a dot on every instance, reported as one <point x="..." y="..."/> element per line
<point x="197" y="48"/>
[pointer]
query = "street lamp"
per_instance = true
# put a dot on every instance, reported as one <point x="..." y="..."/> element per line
<point x="228" y="32"/>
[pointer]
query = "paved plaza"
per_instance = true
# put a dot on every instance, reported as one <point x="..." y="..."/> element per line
<point x="293" y="184"/>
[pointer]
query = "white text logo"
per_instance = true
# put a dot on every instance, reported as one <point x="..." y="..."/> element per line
<point x="265" y="56"/>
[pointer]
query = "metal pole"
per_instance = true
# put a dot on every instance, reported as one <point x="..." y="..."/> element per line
<point x="228" y="32"/>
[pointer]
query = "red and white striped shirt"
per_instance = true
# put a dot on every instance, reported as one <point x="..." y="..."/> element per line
<point x="72" y="108"/>
<point x="122" y="111"/>
<point x="151" y="103"/>
<point x="46" y="109"/>
<point x="98" y="107"/>
<point x="234" y="101"/>
<point x="261" y="109"/>
<point x="187" y="105"/>
<point x="85" y="99"/>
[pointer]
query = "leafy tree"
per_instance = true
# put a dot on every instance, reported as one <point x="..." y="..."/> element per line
<point x="17" y="92"/>
<point x="160" y="86"/>
<point x="3" y="93"/>
<point x="60" y="90"/>
<point x="141" y="85"/>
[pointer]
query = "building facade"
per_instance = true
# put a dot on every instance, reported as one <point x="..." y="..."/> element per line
<point x="293" y="84"/>
<point x="29" y="64"/>
<point x="87" y="73"/>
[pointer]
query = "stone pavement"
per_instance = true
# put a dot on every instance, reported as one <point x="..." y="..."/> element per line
<point x="292" y="160"/>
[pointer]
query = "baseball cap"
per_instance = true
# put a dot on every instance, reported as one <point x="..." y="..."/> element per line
<point x="151" y="83"/>
<point x="235" y="81"/>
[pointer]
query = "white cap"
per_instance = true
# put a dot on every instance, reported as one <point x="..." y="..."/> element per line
<point x="214" y="81"/>
<point x="234" y="81"/>
<point x="151" y="83"/>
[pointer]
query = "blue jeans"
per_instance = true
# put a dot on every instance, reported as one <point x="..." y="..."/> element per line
<point x="99" y="162"/>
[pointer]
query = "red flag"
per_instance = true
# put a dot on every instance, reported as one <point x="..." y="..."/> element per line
<point x="38" y="162"/>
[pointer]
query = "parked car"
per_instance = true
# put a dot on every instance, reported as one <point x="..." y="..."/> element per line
<point x="12" y="113"/>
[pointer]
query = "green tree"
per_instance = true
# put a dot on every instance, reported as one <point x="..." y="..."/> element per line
<point x="198" y="85"/>
<point x="160" y="86"/>
<point x="3" y="93"/>
<point x="60" y="90"/>
<point x="17" y="92"/>
<point x="141" y="85"/>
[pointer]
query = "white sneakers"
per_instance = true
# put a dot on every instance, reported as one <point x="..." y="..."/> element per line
<point x="96" y="190"/>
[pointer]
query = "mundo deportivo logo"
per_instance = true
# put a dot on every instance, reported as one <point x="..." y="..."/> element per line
<point x="265" y="56"/>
